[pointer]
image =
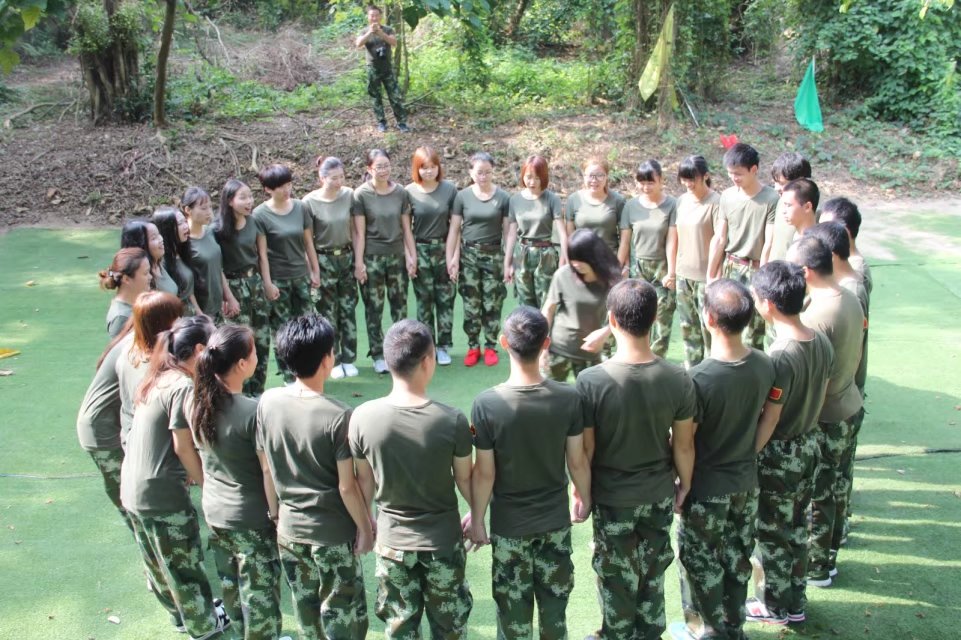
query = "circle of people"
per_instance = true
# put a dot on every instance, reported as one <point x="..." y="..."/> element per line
<point x="753" y="448"/>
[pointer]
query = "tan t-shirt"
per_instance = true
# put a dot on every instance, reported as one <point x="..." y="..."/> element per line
<point x="695" y="228"/>
<point x="746" y="220"/>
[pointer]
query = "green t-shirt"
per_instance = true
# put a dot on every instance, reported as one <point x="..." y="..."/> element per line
<point x="331" y="220"/>
<point x="801" y="372"/>
<point x="382" y="213"/>
<point x="240" y="251"/>
<point x="747" y="219"/>
<point x="304" y="435"/>
<point x="649" y="227"/>
<point x="730" y="396"/>
<point x="285" y="239"/>
<point x="130" y="373"/>
<point x="482" y="220"/>
<point x="152" y="479"/>
<point x="411" y="450"/>
<point x="187" y="278"/>
<point x="784" y="233"/>
<point x="581" y="308"/>
<point x="208" y="261"/>
<point x="117" y="315"/>
<point x="840" y="317"/>
<point x="695" y="228"/>
<point x="377" y="49"/>
<point x="535" y="218"/>
<point x="631" y="408"/>
<point x="98" y="423"/>
<point x="431" y="211"/>
<point x="233" y="479"/>
<point x="603" y="218"/>
<point x="527" y="429"/>
<point x="165" y="282"/>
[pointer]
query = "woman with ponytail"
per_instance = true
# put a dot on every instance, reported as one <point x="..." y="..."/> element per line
<point x="239" y="499"/>
<point x="160" y="460"/>
<point x="129" y="275"/>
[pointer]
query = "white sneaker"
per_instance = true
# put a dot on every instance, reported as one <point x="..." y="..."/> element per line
<point x="338" y="372"/>
<point x="222" y="621"/>
<point x="380" y="365"/>
<point x="443" y="358"/>
<point x="350" y="371"/>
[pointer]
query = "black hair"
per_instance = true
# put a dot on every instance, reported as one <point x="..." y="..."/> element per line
<point x="586" y="246"/>
<point x="730" y="304"/>
<point x="226" y="226"/>
<point x="633" y="304"/>
<point x="790" y="166"/>
<point x="275" y="175"/>
<point x="805" y="190"/>
<point x="303" y="342"/>
<point x="481" y="156"/>
<point x="693" y="167"/>
<point x="526" y="329"/>
<point x="372" y="156"/>
<point x="406" y="344"/>
<point x="834" y="236"/>
<point x="193" y="196"/>
<point x="782" y="284"/>
<point x="810" y="252"/>
<point x="648" y="171"/>
<point x="173" y="348"/>
<point x="227" y="346"/>
<point x="328" y="164"/>
<point x="134" y="234"/>
<point x="741" y="155"/>
<point x="165" y="218"/>
<point x="845" y="212"/>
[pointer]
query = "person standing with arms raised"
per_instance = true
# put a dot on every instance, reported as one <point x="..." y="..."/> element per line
<point x="378" y="39"/>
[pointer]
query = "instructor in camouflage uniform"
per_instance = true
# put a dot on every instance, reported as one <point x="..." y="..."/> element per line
<point x="378" y="40"/>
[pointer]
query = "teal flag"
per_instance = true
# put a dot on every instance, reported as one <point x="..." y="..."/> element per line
<point x="807" y="107"/>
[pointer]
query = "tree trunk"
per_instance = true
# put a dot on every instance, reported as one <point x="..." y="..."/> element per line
<point x="642" y="48"/>
<point x="110" y="73"/>
<point x="160" y="89"/>
<point x="515" y="19"/>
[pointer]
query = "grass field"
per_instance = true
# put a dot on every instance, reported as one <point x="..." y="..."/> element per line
<point x="67" y="562"/>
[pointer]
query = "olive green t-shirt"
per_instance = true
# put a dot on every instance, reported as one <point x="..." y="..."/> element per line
<point x="152" y="479"/>
<point x="581" y="308"/>
<point x="631" y="408"/>
<point x="117" y="315"/>
<point x="233" y="479"/>
<point x="165" y="282"/>
<point x="535" y="218"/>
<point x="649" y="227"/>
<point x="208" y="261"/>
<point x="730" y="396"/>
<point x="130" y="372"/>
<point x="840" y="317"/>
<point x="695" y="228"/>
<point x="527" y="428"/>
<point x="240" y="251"/>
<point x="187" y="278"/>
<point x="482" y="220"/>
<point x="332" y="221"/>
<point x="747" y="219"/>
<point x="377" y="49"/>
<point x="304" y="435"/>
<point x="411" y="450"/>
<point x="603" y="218"/>
<point x="784" y="233"/>
<point x="801" y="372"/>
<point x="382" y="213"/>
<point x="285" y="239"/>
<point x="431" y="211"/>
<point x="98" y="423"/>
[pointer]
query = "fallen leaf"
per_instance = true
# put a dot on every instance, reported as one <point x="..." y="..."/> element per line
<point x="113" y="619"/>
<point x="31" y="283"/>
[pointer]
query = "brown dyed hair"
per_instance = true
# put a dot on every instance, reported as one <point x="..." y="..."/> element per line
<point x="537" y="164"/>
<point x="422" y="156"/>
<point x="125" y="263"/>
<point x="153" y="312"/>
<point x="175" y="347"/>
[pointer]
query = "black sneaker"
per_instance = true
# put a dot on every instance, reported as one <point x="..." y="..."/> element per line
<point x="403" y="128"/>
<point x="382" y="127"/>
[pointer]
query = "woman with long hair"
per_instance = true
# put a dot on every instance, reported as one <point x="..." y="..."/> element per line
<point x="431" y="202"/>
<point x="576" y="305"/>
<point x="128" y="275"/>
<point x="599" y="208"/>
<point x="143" y="234"/>
<point x="384" y="254"/>
<point x="336" y="297"/>
<point x="239" y="499"/>
<point x="173" y="228"/>
<point x="206" y="258"/>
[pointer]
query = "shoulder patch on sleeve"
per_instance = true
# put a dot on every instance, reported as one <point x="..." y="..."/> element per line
<point x="775" y="394"/>
<point x="473" y="431"/>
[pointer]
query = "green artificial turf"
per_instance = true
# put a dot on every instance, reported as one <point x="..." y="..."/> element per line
<point x="67" y="563"/>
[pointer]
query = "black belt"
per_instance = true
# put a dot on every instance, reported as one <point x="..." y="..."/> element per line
<point x="245" y="273"/>
<point x="335" y="251"/>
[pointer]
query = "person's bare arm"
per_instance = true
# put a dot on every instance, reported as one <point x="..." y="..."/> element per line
<point x="453" y="246"/>
<point x="509" y="243"/>
<point x="313" y="264"/>
<point x="270" y="289"/>
<point x="670" y="281"/>
<point x="482" y="487"/>
<point x="462" y="468"/>
<point x="410" y="250"/>
<point x="682" y="447"/>
<point x="588" y="436"/>
<point x="770" y="415"/>
<point x="624" y="248"/>
<point x="562" y="238"/>
<point x="716" y="251"/>
<point x="360" y="245"/>
<point x="270" y="491"/>
<point x="580" y="471"/>
<point x="187" y="452"/>
<point x="353" y="499"/>
<point x="768" y="243"/>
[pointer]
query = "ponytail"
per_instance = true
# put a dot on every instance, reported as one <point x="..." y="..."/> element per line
<point x="226" y="347"/>
<point x="125" y="263"/>
<point x="173" y="349"/>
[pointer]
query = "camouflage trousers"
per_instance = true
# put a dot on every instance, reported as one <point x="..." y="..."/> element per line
<point x="533" y="269"/>
<point x="412" y="582"/>
<point x="327" y="588"/>
<point x="383" y="75"/>
<point x="715" y="538"/>
<point x="654" y="271"/>
<point x="848" y="470"/>
<point x="386" y="275"/>
<point x="255" y="313"/>
<point x="753" y="333"/>
<point x="434" y="292"/>
<point x="173" y="557"/>
<point x="690" y="304"/>
<point x="632" y="550"/>
<point x="535" y="568"/>
<point x="561" y="366"/>
<point x="481" y="286"/>
<point x="786" y="480"/>
<point x="336" y="300"/>
<point x="294" y="301"/>
<point x="831" y="489"/>
<point x="249" y="571"/>
<point x="108" y="461"/>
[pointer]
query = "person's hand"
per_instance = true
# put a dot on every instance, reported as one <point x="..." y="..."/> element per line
<point x="271" y="291"/>
<point x="363" y="543"/>
<point x="314" y="280"/>
<point x="453" y="269"/>
<point x="580" y="510"/>
<point x="595" y="340"/>
<point x="360" y="272"/>
<point x="411" y="267"/>
<point x="509" y="273"/>
<point x="231" y="307"/>
<point x="680" y="495"/>
<point x="478" y="535"/>
<point x="670" y="281"/>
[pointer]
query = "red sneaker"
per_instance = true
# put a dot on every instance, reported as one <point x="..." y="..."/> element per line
<point x="472" y="357"/>
<point x="490" y="357"/>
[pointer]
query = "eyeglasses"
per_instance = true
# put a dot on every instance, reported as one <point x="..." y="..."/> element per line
<point x="484" y="174"/>
<point x="596" y="176"/>
<point x="381" y="167"/>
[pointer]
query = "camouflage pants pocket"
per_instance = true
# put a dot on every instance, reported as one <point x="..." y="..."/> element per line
<point x="255" y="313"/>
<point x="108" y="461"/>
<point x="481" y="286"/>
<point x="690" y="304"/>
<point x="336" y="300"/>
<point x="754" y="332"/>
<point x="434" y="293"/>
<point x="654" y="271"/>
<point x="533" y="269"/>
<point x="249" y="570"/>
